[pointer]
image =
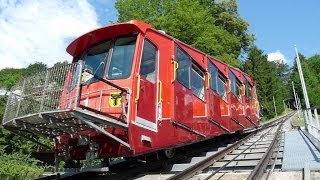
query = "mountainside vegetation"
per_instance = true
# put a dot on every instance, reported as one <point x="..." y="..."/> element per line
<point x="214" y="27"/>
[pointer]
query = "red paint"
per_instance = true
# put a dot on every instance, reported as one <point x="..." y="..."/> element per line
<point x="179" y="104"/>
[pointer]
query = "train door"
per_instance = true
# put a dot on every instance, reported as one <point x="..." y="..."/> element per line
<point x="247" y="99"/>
<point x="216" y="101"/>
<point x="148" y="79"/>
<point x="183" y="94"/>
<point x="236" y="105"/>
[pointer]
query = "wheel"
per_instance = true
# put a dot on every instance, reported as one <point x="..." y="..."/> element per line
<point x="169" y="153"/>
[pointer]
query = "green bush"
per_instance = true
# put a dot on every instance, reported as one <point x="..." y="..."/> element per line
<point x="19" y="166"/>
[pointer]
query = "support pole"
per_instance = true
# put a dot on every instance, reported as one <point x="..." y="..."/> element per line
<point x="303" y="85"/>
<point x="296" y="99"/>
<point x="275" y="108"/>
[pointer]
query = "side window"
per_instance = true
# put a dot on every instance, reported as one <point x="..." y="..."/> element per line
<point x="197" y="82"/>
<point x="221" y="87"/>
<point x="232" y="78"/>
<point x="238" y="89"/>
<point x="235" y="85"/>
<point x="183" y="70"/>
<point x="247" y="89"/>
<point x="214" y="76"/>
<point x="148" y="61"/>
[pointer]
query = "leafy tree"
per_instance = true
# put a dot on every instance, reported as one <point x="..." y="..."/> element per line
<point x="9" y="76"/>
<point x="311" y="77"/>
<point x="269" y="80"/>
<point x="36" y="67"/>
<point x="196" y="23"/>
<point x="18" y="166"/>
<point x="225" y="14"/>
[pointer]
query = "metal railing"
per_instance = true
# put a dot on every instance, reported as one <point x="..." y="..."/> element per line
<point x="311" y="121"/>
<point x="53" y="89"/>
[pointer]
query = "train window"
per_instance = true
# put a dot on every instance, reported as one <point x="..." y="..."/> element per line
<point x="183" y="70"/>
<point x="214" y="76"/>
<point x="95" y="59"/>
<point x="232" y="78"/>
<point x="122" y="56"/>
<point x="148" y="61"/>
<point x="197" y="82"/>
<point x="235" y="85"/>
<point x="238" y="90"/>
<point x="247" y="89"/>
<point x="221" y="87"/>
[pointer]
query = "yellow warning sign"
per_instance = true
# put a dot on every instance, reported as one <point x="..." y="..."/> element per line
<point x="115" y="99"/>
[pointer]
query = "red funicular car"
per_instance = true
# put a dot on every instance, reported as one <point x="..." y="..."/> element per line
<point x="131" y="90"/>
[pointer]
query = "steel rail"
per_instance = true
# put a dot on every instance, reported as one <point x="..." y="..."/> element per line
<point x="191" y="171"/>
<point x="274" y="162"/>
<point x="225" y="165"/>
<point x="198" y="167"/>
<point x="263" y="163"/>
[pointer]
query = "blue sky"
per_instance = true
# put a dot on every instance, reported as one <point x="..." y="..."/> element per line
<point x="279" y="24"/>
<point x="40" y="30"/>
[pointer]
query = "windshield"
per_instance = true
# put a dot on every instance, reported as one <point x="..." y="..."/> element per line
<point x="95" y="59"/>
<point x="122" y="56"/>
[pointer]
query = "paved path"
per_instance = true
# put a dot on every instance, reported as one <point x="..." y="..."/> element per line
<point x="299" y="152"/>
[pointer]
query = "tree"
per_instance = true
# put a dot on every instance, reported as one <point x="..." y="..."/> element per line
<point x="310" y="72"/>
<point x="269" y="80"/>
<point x="193" y="22"/>
<point x="225" y="14"/>
<point x="8" y="78"/>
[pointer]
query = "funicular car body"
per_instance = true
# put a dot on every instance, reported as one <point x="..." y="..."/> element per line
<point x="131" y="90"/>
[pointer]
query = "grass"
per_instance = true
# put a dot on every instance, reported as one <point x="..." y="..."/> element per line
<point x="297" y="122"/>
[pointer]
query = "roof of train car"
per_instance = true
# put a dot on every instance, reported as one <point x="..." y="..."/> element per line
<point x="104" y="33"/>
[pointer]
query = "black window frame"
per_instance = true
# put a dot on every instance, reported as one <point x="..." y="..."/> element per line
<point x="84" y="56"/>
<point x="247" y="89"/>
<point x="110" y="56"/>
<point x="155" y="59"/>
<point x="188" y="66"/>
<point x="198" y="72"/>
<point x="223" y="79"/>
<point x="213" y="84"/>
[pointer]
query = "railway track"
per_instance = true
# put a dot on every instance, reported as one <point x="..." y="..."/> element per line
<point x="255" y="151"/>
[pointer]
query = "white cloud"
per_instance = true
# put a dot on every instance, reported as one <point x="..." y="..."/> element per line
<point x="33" y="31"/>
<point x="277" y="56"/>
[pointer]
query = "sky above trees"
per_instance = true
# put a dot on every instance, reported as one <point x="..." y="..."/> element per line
<point x="31" y="31"/>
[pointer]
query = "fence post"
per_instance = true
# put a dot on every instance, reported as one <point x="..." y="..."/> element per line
<point x="317" y="122"/>
<point x="305" y="117"/>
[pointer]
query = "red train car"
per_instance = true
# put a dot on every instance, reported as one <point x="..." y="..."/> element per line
<point x="131" y="90"/>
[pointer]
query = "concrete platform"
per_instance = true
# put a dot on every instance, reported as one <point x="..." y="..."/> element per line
<point x="299" y="152"/>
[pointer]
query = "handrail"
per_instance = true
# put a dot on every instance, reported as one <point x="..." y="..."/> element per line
<point x="138" y="88"/>
<point x="208" y="82"/>
<point x="109" y="83"/>
<point x="160" y="92"/>
<point x="175" y="67"/>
